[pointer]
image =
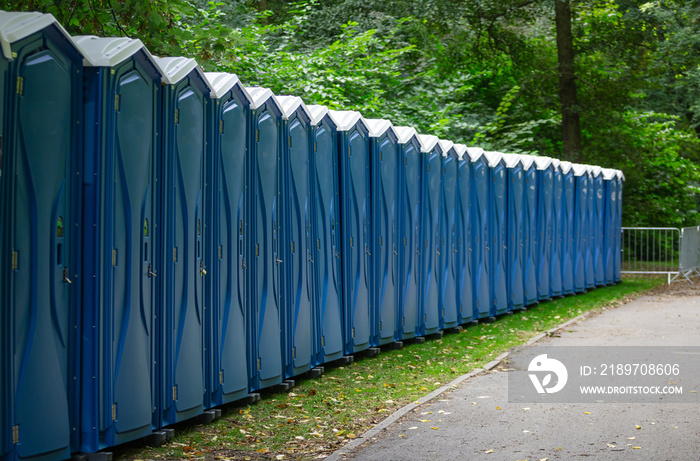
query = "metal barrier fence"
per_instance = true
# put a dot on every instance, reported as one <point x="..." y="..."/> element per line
<point x="689" y="258"/>
<point x="651" y="250"/>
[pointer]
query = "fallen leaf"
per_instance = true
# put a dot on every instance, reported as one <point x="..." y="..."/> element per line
<point x="279" y="457"/>
<point x="498" y="408"/>
<point x="473" y="403"/>
<point x="434" y="428"/>
<point x="526" y="408"/>
<point x="611" y="445"/>
<point x="413" y="428"/>
<point x="263" y="450"/>
<point x="636" y="448"/>
<point x="424" y="420"/>
<point x="402" y="435"/>
<point x="638" y="426"/>
<point x="631" y="438"/>
<point x="586" y="412"/>
<point x="351" y="436"/>
<point x="526" y="431"/>
<point x="489" y="451"/>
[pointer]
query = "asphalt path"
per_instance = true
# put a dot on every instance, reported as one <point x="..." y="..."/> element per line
<point x="474" y="419"/>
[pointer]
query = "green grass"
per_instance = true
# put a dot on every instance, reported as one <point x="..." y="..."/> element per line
<point x="319" y="415"/>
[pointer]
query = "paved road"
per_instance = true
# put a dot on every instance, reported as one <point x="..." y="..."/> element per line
<point x="475" y="420"/>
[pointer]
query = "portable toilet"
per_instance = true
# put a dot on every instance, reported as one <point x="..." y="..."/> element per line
<point x="448" y="257"/>
<point x="352" y="138"/>
<point x="325" y="246"/>
<point x="555" y="266"/>
<point x="384" y="172"/>
<point x="430" y="233"/>
<point x="265" y="216"/>
<point x="297" y="282"/>
<point x="409" y="231"/>
<point x="516" y="231"/>
<point x="618" y="229"/>
<point x="609" y="223"/>
<point x="227" y="141"/>
<point x="40" y="225"/>
<point x="121" y="111"/>
<point x="463" y="236"/>
<point x="568" y="216"/>
<point x="481" y="259"/>
<point x="498" y="237"/>
<point x="596" y="226"/>
<point x="580" y="233"/>
<point x="185" y="92"/>
<point x="543" y="241"/>
<point x="530" y="256"/>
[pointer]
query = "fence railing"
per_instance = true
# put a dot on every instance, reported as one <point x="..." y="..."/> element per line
<point x="661" y="250"/>
<point x="651" y="250"/>
<point x="689" y="258"/>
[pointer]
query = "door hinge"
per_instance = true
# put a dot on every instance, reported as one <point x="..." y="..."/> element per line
<point x="116" y="102"/>
<point x="323" y="341"/>
<point x="289" y="141"/>
<point x="114" y="257"/>
<point x="220" y="251"/>
<point x="257" y="135"/>
<point x="15" y="435"/>
<point x="174" y="393"/>
<point x="315" y="147"/>
<point x="221" y="376"/>
<point x="258" y="363"/>
<point x="294" y="352"/>
<point x="177" y="116"/>
<point x="20" y="85"/>
<point x="114" y="412"/>
<point x="14" y="263"/>
<point x="292" y="247"/>
<point x="353" y="332"/>
<point x="174" y="254"/>
<point x="221" y="126"/>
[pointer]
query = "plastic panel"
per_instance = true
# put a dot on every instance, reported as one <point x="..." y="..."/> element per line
<point x="119" y="341"/>
<point x="430" y="237"/>
<point x="617" y="229"/>
<point x="409" y="240"/>
<point x="183" y="251"/>
<point x="516" y="237"/>
<point x="597" y="229"/>
<point x="530" y="228"/>
<point x="481" y="235"/>
<point x="609" y="224"/>
<point x="555" y="267"/>
<point x="385" y="224"/>
<point x="580" y="234"/>
<point x="498" y="238"/>
<point x="329" y="283"/>
<point x="465" y="281"/>
<point x="229" y="373"/>
<point x="356" y="219"/>
<point x="265" y="317"/>
<point x="42" y="298"/>
<point x="448" y="258"/>
<point x="569" y="214"/>
<point x="545" y="208"/>
<point x="300" y="288"/>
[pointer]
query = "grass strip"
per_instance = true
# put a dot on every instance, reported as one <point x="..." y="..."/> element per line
<point x="318" y="416"/>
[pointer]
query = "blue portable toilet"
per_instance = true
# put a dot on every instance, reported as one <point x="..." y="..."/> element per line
<point x="618" y="230"/>
<point x="409" y="231"/>
<point x="40" y="247"/>
<point x="430" y="233"/>
<point x="596" y="226"/>
<point x="384" y="171"/>
<point x="581" y="247"/>
<point x="516" y="231"/>
<point x="185" y="92"/>
<point x="297" y="289"/>
<point x="568" y="216"/>
<point x="352" y="137"/>
<point x="530" y="229"/>
<point x="481" y="255"/>
<point x="265" y="216"/>
<point x="609" y="223"/>
<point x="496" y="245"/>
<point x="555" y="265"/>
<point x="448" y="258"/>
<point x="227" y="336"/>
<point x="463" y="237"/>
<point x="119" y="343"/>
<point x="543" y="239"/>
<point x="325" y="247"/>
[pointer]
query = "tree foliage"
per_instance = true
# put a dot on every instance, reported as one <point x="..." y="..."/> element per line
<point x="473" y="71"/>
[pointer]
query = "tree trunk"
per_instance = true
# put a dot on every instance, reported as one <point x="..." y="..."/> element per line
<point x="571" y="129"/>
